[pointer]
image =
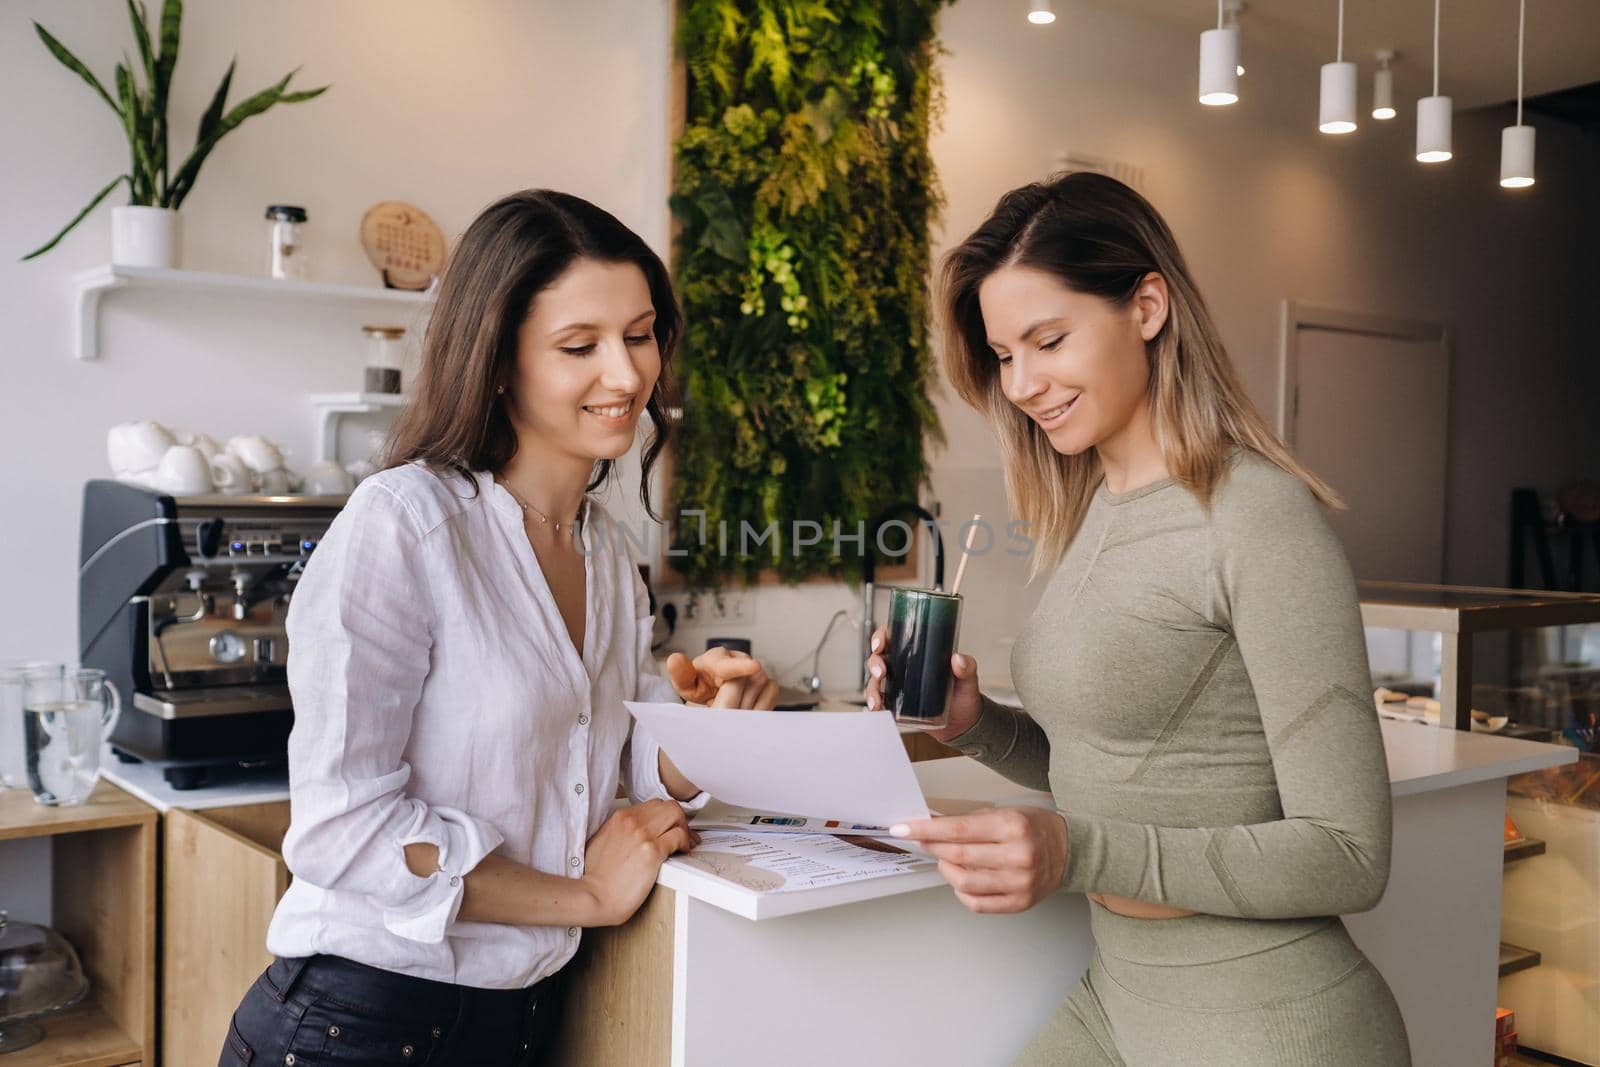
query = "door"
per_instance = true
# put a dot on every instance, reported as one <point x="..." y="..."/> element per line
<point x="1365" y="405"/>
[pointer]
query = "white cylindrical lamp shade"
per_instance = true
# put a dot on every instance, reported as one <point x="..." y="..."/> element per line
<point x="1433" y="129"/>
<point x="1219" y="66"/>
<point x="1338" y="112"/>
<point x="1516" y="157"/>
<point x="1383" y="94"/>
<point x="1039" y="13"/>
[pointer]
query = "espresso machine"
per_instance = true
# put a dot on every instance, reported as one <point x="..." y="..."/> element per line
<point x="181" y="601"/>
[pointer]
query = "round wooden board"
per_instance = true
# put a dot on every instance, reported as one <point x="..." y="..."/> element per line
<point x="404" y="243"/>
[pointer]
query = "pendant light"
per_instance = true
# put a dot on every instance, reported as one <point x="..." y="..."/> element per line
<point x="1039" y="13"/>
<point x="1235" y="8"/>
<point x="1338" y="111"/>
<point x="1516" y="142"/>
<point x="1383" y="87"/>
<point x="1219" y="63"/>
<point x="1433" y="112"/>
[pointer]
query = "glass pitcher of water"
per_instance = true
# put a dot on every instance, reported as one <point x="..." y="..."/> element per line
<point x="13" y="768"/>
<point x="64" y="717"/>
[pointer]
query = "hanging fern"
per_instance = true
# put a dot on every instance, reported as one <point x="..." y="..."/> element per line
<point x="804" y="193"/>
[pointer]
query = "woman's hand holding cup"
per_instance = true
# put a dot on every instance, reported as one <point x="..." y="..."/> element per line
<point x="965" y="704"/>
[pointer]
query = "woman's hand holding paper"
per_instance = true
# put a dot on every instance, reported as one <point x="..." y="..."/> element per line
<point x="997" y="860"/>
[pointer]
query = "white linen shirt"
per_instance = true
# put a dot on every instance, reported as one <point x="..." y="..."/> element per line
<point x="439" y="698"/>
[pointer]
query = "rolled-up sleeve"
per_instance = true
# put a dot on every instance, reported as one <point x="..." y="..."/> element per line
<point x="641" y="757"/>
<point x="359" y="630"/>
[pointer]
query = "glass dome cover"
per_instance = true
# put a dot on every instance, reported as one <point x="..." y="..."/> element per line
<point x="40" y="974"/>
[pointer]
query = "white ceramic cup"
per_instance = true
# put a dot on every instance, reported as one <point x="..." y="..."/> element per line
<point x="184" y="471"/>
<point x="132" y="447"/>
<point x="360" y="470"/>
<point x="273" y="482"/>
<point x="327" y="478"/>
<point x="203" y="441"/>
<point x="259" y="454"/>
<point x="230" y="476"/>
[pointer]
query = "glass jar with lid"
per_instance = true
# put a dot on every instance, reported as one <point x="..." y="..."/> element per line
<point x="288" y="252"/>
<point x="384" y="358"/>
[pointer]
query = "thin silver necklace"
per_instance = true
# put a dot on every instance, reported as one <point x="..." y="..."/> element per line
<point x="544" y="520"/>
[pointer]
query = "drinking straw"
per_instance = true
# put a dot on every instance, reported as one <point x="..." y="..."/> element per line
<point x="961" y="568"/>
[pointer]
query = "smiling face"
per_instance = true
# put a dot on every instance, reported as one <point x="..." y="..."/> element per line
<point x="587" y="361"/>
<point x="1074" y="363"/>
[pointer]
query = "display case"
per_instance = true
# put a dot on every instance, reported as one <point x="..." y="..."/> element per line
<point x="1530" y="658"/>
<point x="1523" y="663"/>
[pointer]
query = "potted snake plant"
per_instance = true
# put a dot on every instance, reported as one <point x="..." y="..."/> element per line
<point x="147" y="233"/>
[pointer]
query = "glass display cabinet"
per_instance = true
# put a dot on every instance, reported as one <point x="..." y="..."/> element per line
<point x="1522" y="663"/>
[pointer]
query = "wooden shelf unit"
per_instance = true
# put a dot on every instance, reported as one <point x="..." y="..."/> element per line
<point x="103" y="901"/>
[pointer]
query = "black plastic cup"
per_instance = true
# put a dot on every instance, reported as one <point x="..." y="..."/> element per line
<point x="923" y="628"/>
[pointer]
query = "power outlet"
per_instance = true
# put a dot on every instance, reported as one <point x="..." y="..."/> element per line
<point x="731" y="607"/>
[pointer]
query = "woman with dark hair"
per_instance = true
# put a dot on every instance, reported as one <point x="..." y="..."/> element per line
<point x="1195" y="676"/>
<point x="462" y="643"/>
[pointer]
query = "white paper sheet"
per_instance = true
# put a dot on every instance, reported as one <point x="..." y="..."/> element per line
<point x="785" y="863"/>
<point x="841" y="765"/>
<point x="719" y="816"/>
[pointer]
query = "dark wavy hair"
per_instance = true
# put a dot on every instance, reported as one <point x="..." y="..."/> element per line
<point x="515" y="249"/>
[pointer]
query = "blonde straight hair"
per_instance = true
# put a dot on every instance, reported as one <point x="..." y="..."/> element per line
<point x="1101" y="238"/>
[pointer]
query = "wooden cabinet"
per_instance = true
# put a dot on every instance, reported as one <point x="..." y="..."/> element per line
<point x="224" y="873"/>
<point x="103" y="900"/>
<point x="920" y="747"/>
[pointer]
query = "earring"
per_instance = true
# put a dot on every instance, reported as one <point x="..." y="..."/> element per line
<point x="500" y="390"/>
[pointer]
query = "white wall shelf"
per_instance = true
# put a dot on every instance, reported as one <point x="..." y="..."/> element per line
<point x="90" y="285"/>
<point x="331" y="407"/>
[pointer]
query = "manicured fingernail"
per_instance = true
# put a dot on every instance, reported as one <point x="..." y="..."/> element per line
<point x="877" y="670"/>
<point x="899" y="829"/>
<point x="962" y="661"/>
<point x="877" y="643"/>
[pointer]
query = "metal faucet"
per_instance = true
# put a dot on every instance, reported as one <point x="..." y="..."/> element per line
<point x="813" y="684"/>
<point x="869" y="567"/>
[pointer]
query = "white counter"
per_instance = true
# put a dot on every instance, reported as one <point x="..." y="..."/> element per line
<point x="854" y="974"/>
<point x="1422" y="759"/>
<point x="226" y="788"/>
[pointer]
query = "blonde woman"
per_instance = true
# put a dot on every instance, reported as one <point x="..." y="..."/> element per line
<point x="1195" y="676"/>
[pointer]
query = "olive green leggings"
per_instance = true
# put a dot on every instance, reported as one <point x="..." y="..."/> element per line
<point x="1207" y="990"/>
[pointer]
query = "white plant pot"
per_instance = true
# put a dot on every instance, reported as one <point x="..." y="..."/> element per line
<point x="146" y="237"/>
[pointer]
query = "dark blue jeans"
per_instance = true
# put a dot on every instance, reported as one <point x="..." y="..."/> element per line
<point x="327" y="1010"/>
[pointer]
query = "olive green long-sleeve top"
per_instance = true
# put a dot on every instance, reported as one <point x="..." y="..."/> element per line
<point x="1197" y="699"/>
